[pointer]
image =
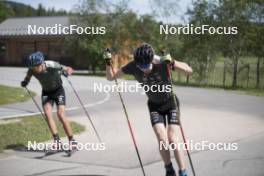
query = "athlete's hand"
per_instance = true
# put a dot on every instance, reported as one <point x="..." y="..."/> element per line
<point x="24" y="83"/>
<point x="166" y="57"/>
<point x="107" y="56"/>
<point x="69" y="70"/>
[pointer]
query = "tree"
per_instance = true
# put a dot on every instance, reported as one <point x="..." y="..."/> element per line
<point x="88" y="49"/>
<point x="41" y="10"/>
<point x="201" y="48"/>
<point x="5" y="11"/>
<point x="233" y="13"/>
<point x="255" y="36"/>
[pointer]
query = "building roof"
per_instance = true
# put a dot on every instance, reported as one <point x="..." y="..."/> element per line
<point x="19" y="26"/>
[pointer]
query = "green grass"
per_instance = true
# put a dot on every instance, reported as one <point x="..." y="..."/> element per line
<point x="254" y="92"/>
<point x="245" y="78"/>
<point x="12" y="95"/>
<point x="19" y="131"/>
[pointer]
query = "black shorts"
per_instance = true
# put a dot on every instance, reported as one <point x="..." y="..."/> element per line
<point x="168" y="112"/>
<point x="57" y="96"/>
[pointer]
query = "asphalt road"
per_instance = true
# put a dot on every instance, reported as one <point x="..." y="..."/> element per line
<point x="208" y="115"/>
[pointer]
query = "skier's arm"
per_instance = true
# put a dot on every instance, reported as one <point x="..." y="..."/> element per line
<point x="183" y="67"/>
<point x="67" y="69"/>
<point x="26" y="80"/>
<point x="111" y="74"/>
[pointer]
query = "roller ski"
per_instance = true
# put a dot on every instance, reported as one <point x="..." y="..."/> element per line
<point x="72" y="148"/>
<point x="55" y="148"/>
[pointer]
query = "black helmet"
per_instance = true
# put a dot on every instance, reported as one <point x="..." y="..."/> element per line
<point x="144" y="54"/>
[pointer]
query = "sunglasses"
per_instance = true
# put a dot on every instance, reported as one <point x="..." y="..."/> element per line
<point x="144" y="66"/>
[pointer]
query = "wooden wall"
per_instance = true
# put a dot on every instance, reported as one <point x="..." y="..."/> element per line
<point x="18" y="49"/>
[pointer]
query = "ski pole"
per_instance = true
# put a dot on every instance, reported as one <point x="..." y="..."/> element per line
<point x="128" y="121"/>
<point x="83" y="107"/>
<point x="36" y="104"/>
<point x="181" y="127"/>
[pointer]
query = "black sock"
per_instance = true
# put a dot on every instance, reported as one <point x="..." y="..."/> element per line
<point x="70" y="138"/>
<point x="169" y="168"/>
<point x="56" y="137"/>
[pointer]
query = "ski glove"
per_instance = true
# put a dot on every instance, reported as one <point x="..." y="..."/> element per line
<point x="24" y="83"/>
<point x="65" y="73"/>
<point x="107" y="56"/>
<point x="166" y="58"/>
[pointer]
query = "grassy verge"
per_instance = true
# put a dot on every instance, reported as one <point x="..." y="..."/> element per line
<point x="254" y="92"/>
<point x="12" y="95"/>
<point x="19" y="131"/>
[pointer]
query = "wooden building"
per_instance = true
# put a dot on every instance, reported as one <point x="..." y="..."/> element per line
<point x="16" y="43"/>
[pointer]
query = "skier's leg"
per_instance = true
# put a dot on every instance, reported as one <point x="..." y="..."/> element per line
<point x="47" y="107"/>
<point x="65" y="122"/>
<point x="47" y="104"/>
<point x="161" y="134"/>
<point x="174" y="137"/>
<point x="60" y="100"/>
<point x="67" y="126"/>
<point x="158" y="124"/>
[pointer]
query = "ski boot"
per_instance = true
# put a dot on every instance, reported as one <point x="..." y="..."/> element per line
<point x="170" y="170"/>
<point x="182" y="173"/>
<point x="72" y="147"/>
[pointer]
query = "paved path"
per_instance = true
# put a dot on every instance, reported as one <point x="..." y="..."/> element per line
<point x="207" y="114"/>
